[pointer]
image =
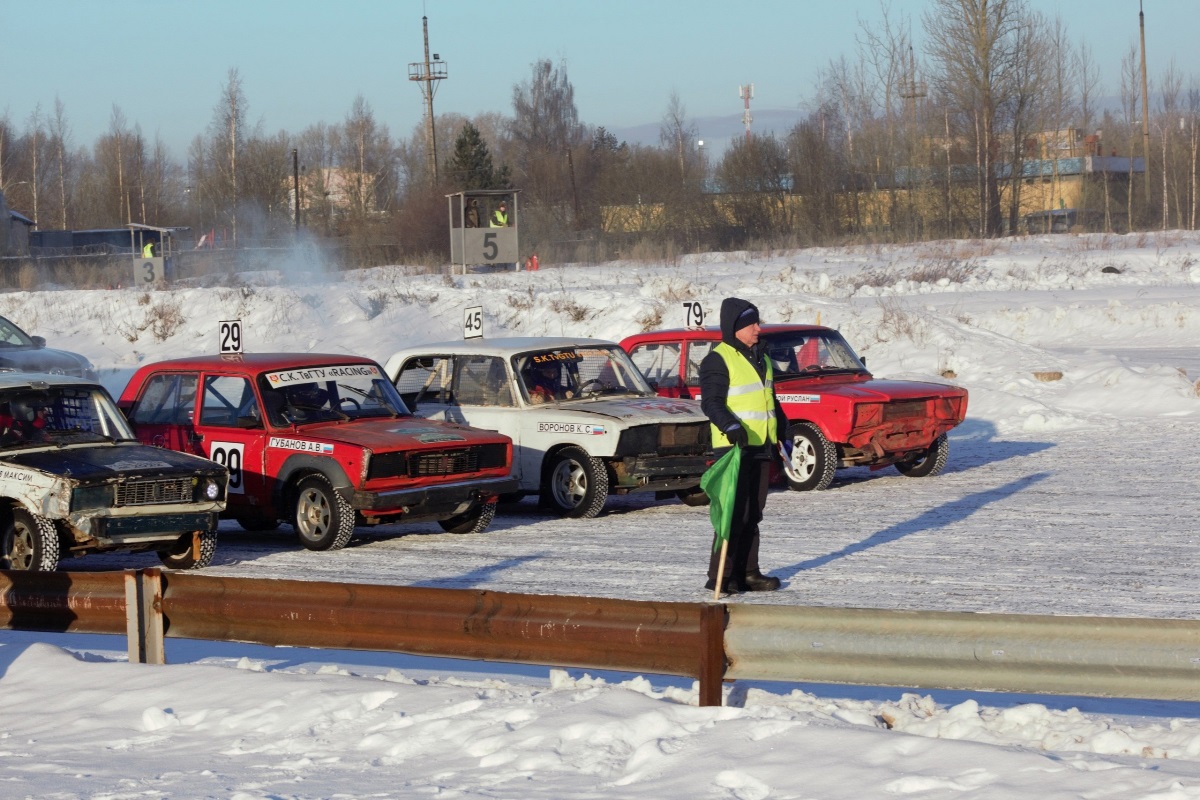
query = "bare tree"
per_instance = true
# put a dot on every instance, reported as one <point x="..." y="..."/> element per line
<point x="546" y="132"/>
<point x="974" y="44"/>
<point x="678" y="134"/>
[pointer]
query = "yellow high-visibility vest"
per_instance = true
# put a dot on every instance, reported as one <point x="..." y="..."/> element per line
<point x="751" y="399"/>
<point x="499" y="219"/>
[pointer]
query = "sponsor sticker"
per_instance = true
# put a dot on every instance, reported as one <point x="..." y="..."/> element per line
<point x="550" y="358"/>
<point x="572" y="427"/>
<point x="798" y="398"/>
<point x="14" y="475"/>
<point x="663" y="405"/>
<point x="429" y="438"/>
<point x="284" y="443"/>
<point x="310" y="374"/>
<point x="140" y="464"/>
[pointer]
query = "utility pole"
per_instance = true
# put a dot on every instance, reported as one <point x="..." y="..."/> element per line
<point x="1145" y="114"/>
<point x="746" y="93"/>
<point x="428" y="73"/>
<point x="296" y="184"/>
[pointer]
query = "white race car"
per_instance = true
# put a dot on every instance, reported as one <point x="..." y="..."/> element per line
<point x="583" y="420"/>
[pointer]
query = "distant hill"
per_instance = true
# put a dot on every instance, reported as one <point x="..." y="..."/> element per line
<point x="718" y="132"/>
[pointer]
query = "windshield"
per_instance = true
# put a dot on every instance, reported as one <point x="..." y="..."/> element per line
<point x="30" y="417"/>
<point x="794" y="353"/>
<point x="578" y="373"/>
<point x="329" y="392"/>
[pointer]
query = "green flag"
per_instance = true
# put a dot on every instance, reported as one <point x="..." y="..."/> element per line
<point x="719" y="482"/>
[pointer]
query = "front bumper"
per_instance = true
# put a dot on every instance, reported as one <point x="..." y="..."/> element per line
<point x="146" y="529"/>
<point x="438" y="501"/>
<point x="658" y="473"/>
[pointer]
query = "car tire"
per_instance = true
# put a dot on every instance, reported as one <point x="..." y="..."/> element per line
<point x="323" y="520"/>
<point x="30" y="543"/>
<point x="813" y="456"/>
<point x="575" y="484"/>
<point x="475" y="519"/>
<point x="256" y="523"/>
<point x="693" y="497"/>
<point x="180" y="556"/>
<point x="928" y="463"/>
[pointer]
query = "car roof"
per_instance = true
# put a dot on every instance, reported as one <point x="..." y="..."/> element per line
<point x="709" y="331"/>
<point x="255" y="362"/>
<point x="510" y="345"/>
<point x="26" y="380"/>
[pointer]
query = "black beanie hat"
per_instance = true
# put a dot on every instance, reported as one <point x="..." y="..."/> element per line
<point x="746" y="318"/>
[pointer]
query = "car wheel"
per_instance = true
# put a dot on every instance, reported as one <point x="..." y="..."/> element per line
<point x="257" y="523"/>
<point x="576" y="484"/>
<point x="813" y="460"/>
<point x="30" y="543"/>
<point x="693" y="497"/>
<point x="181" y="556"/>
<point x="475" y="519"/>
<point x="323" y="519"/>
<point x="929" y="462"/>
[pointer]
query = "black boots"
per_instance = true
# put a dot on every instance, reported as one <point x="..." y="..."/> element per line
<point x="753" y="582"/>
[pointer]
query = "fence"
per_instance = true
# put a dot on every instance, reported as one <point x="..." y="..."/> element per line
<point x="712" y="642"/>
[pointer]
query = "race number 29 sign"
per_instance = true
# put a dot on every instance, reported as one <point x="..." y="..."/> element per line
<point x="231" y="336"/>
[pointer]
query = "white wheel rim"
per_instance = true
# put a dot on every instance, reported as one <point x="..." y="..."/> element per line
<point x="313" y="514"/>
<point x="569" y="483"/>
<point x="20" y="548"/>
<point x="804" y="456"/>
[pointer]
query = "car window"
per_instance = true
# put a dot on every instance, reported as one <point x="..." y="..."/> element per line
<point x="324" y="392"/>
<point x="811" y="352"/>
<point x="228" y="398"/>
<point x="659" y="362"/>
<point x="574" y="373"/>
<point x="167" y="399"/>
<point x="426" y="379"/>
<point x="695" y="354"/>
<point x="481" y="381"/>
<point x="12" y="336"/>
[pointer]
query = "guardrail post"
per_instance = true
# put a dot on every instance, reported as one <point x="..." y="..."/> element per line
<point x="712" y="653"/>
<point x="143" y="616"/>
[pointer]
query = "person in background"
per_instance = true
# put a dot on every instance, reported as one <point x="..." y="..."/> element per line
<point x="148" y="249"/>
<point x="738" y="397"/>
<point x="500" y="216"/>
<point x="472" y="214"/>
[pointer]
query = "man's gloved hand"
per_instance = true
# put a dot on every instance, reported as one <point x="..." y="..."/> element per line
<point x="737" y="436"/>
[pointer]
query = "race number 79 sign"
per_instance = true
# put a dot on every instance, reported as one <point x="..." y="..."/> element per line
<point x="694" y="312"/>
<point x="231" y="336"/>
<point x="473" y="323"/>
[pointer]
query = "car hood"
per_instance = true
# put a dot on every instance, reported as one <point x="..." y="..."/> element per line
<point x="100" y="462"/>
<point x="870" y="390"/>
<point x="46" y="359"/>
<point x="631" y="411"/>
<point x="402" y="433"/>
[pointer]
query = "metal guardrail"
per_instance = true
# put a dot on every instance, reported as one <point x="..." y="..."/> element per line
<point x="1105" y="657"/>
<point x="1093" y="656"/>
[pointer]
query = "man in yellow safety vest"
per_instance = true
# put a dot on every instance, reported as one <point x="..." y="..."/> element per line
<point x="738" y="397"/>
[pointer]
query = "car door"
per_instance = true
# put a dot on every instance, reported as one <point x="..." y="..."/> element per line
<point x="162" y="414"/>
<point x="424" y="383"/>
<point x="229" y="430"/>
<point x="484" y="396"/>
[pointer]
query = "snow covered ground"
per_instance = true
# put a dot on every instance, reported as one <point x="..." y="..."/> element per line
<point x="1068" y="496"/>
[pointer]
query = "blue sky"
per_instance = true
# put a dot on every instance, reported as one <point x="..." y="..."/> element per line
<point x="164" y="62"/>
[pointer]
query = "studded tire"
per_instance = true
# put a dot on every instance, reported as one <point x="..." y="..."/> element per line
<point x="30" y="543"/>
<point x="575" y="484"/>
<point x="181" y="556"/>
<point x="322" y="519"/>
<point x="475" y="519"/>
<point x="929" y="463"/>
<point x="814" y="457"/>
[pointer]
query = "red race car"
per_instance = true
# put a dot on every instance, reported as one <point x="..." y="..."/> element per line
<point x="839" y="415"/>
<point x="321" y="441"/>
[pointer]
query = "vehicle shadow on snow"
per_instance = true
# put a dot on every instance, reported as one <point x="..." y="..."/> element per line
<point x="973" y="444"/>
<point x="939" y="517"/>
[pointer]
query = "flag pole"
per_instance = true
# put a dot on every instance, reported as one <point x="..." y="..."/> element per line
<point x="721" y="570"/>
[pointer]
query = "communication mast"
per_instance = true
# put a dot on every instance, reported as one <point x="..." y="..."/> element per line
<point x="428" y="73"/>
<point x="911" y="89"/>
<point x="746" y="93"/>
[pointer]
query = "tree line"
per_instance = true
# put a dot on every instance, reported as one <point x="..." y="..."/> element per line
<point x="898" y="144"/>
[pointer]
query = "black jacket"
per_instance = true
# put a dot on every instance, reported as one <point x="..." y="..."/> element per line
<point x="714" y="375"/>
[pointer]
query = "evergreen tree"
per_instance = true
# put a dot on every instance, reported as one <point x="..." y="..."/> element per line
<point x="470" y="166"/>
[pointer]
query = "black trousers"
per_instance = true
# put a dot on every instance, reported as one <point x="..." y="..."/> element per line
<point x="741" y="559"/>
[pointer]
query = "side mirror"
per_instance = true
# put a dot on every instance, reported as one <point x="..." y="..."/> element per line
<point x="38" y="342"/>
